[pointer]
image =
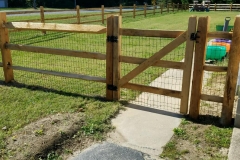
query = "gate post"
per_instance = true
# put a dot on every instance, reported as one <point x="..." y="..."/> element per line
<point x="6" y="53"/>
<point x="114" y="23"/>
<point x="117" y="24"/>
<point x="232" y="75"/>
<point x="187" y="70"/>
<point x="199" y="61"/>
<point x="109" y="58"/>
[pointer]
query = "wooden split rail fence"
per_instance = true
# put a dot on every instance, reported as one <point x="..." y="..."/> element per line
<point x="101" y="16"/>
<point x="195" y="37"/>
<point x="221" y="7"/>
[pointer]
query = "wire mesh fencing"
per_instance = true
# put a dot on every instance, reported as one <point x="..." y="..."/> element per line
<point x="57" y="63"/>
<point x="145" y="47"/>
<point x="217" y="53"/>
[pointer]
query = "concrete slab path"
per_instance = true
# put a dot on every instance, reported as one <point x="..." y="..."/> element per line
<point x="146" y="125"/>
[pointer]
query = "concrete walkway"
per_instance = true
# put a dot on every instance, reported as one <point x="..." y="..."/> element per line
<point x="145" y="126"/>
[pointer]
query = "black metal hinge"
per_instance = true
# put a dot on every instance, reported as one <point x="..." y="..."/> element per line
<point x="194" y="36"/>
<point x="112" y="87"/>
<point x="112" y="39"/>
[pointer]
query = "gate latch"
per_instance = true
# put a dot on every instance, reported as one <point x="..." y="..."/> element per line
<point x="194" y="36"/>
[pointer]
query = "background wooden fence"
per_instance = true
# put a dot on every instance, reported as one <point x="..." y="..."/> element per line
<point x="124" y="11"/>
<point x="113" y="58"/>
<point x="221" y="7"/>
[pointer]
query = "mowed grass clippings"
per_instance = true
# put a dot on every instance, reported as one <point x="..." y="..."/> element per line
<point x="34" y="96"/>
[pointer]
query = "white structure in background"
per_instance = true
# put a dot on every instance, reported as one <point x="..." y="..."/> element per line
<point x="3" y="3"/>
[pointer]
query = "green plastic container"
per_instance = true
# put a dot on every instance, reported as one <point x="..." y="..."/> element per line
<point x="220" y="28"/>
<point x="215" y="52"/>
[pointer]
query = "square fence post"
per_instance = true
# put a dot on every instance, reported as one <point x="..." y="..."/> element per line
<point x="117" y="25"/>
<point x="232" y="75"/>
<point x="6" y="53"/>
<point x="187" y="70"/>
<point x="42" y="17"/>
<point x="134" y="10"/>
<point x="120" y="9"/>
<point x="199" y="61"/>
<point x="102" y="14"/>
<point x="109" y="59"/>
<point x="145" y="10"/>
<point x="78" y="14"/>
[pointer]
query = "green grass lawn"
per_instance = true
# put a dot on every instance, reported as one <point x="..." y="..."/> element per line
<point x="35" y="95"/>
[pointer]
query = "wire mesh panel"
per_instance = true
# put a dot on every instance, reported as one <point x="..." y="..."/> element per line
<point x="58" y="63"/>
<point x="145" y="47"/>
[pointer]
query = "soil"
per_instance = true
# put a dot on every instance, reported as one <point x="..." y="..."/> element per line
<point x="56" y="135"/>
<point x="195" y="146"/>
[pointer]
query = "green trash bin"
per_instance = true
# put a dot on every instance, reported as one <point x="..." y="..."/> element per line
<point x="215" y="53"/>
<point x="220" y="28"/>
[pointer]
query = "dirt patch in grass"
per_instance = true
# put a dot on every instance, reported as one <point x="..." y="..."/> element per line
<point x="202" y="139"/>
<point x="49" y="137"/>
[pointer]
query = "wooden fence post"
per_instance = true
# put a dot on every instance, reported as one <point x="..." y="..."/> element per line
<point x="134" y="10"/>
<point x="154" y="6"/>
<point x="6" y="53"/>
<point x="232" y="75"/>
<point x="78" y="14"/>
<point x="117" y="24"/>
<point x="109" y="59"/>
<point x="161" y="8"/>
<point x="42" y="17"/>
<point x="231" y="7"/>
<point x="168" y="8"/>
<point x="178" y="7"/>
<point x="187" y="71"/>
<point x="215" y="7"/>
<point x="145" y="10"/>
<point x="120" y="8"/>
<point x="102" y="14"/>
<point x="199" y="61"/>
<point x="173" y="7"/>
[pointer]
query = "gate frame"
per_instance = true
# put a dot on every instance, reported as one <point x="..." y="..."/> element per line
<point x="115" y="83"/>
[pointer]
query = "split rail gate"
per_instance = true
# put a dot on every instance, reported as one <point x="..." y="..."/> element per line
<point x="195" y="37"/>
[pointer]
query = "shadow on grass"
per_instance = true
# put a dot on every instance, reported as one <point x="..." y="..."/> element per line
<point x="55" y="91"/>
<point x="209" y="120"/>
<point x="40" y="38"/>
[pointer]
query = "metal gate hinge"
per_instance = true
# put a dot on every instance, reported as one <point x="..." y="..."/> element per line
<point x="112" y="87"/>
<point x="112" y="39"/>
<point x="194" y="36"/>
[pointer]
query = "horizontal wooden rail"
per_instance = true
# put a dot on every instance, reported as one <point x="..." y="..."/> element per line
<point x="56" y="27"/>
<point x="61" y="74"/>
<point x="160" y="63"/>
<point x="63" y="52"/>
<point x="91" y="21"/>
<point x="90" y="15"/>
<point x="150" y="33"/>
<point x="211" y="98"/>
<point x="215" y="68"/>
<point x="25" y="12"/>
<point x="220" y="34"/>
<point x="142" y="88"/>
<point x="67" y="17"/>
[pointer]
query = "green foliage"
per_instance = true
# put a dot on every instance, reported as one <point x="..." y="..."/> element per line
<point x="218" y="137"/>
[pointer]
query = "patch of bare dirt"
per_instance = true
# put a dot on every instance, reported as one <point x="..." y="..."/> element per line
<point x="56" y="133"/>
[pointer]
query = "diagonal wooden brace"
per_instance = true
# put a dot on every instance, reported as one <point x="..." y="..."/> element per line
<point x="153" y="59"/>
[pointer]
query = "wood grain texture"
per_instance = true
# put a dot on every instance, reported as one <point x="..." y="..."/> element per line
<point x="199" y="61"/>
<point x="153" y="59"/>
<point x="187" y="71"/>
<point x="56" y="27"/>
<point x="232" y="75"/>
